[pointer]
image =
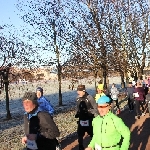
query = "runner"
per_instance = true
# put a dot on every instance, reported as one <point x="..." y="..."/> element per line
<point x="108" y="129"/>
<point x="86" y="110"/>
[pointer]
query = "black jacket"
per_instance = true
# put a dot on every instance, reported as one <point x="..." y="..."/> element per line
<point x="41" y="123"/>
<point x="86" y="107"/>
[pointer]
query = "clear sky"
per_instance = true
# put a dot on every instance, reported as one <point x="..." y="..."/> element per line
<point x="8" y="13"/>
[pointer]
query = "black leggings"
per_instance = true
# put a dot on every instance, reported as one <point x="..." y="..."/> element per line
<point x="138" y="104"/>
<point x="130" y="104"/>
<point x="81" y="132"/>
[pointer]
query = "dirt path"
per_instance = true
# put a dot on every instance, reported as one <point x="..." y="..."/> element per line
<point x="140" y="131"/>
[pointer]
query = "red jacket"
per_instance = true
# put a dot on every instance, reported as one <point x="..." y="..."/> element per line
<point x="141" y="93"/>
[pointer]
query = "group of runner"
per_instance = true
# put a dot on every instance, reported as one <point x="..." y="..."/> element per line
<point x="96" y="116"/>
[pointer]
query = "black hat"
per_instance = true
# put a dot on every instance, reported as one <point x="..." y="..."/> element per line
<point x="30" y="96"/>
<point x="81" y="88"/>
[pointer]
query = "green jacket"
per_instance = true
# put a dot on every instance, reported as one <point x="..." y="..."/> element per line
<point x="107" y="131"/>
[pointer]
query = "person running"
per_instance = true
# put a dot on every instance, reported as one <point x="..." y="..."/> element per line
<point x="114" y="96"/>
<point x="130" y="91"/>
<point x="40" y="129"/>
<point x="100" y="91"/>
<point x="109" y="131"/>
<point x="139" y="96"/>
<point x="148" y="100"/>
<point x="43" y="102"/>
<point x="86" y="111"/>
<point x="45" y="105"/>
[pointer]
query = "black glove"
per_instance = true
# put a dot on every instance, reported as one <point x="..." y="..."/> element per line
<point x="77" y="115"/>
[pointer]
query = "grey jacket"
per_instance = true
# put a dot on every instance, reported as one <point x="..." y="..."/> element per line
<point x="130" y="91"/>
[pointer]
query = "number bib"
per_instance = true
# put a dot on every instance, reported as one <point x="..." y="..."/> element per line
<point x="31" y="145"/>
<point x="136" y="94"/>
<point x="114" y="97"/>
<point x="84" y="123"/>
<point x="97" y="147"/>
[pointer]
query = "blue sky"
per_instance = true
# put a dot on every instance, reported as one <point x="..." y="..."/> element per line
<point x="8" y="13"/>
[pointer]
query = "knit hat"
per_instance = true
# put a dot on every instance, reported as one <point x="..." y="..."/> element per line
<point x="103" y="100"/>
<point x="100" y="86"/>
<point x="39" y="89"/>
<point x="30" y="96"/>
<point x="81" y="88"/>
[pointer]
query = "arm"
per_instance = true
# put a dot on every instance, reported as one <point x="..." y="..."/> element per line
<point x="91" y="146"/>
<point x="124" y="131"/>
<point x="94" y="109"/>
<point x="47" y="124"/>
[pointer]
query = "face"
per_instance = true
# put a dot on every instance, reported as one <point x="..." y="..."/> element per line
<point x="99" y="91"/>
<point x="80" y="93"/>
<point x="113" y="85"/>
<point x="38" y="93"/>
<point x="130" y="85"/>
<point x="103" y="109"/>
<point x="28" y="105"/>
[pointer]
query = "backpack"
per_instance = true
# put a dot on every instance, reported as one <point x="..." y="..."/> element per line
<point x="83" y="105"/>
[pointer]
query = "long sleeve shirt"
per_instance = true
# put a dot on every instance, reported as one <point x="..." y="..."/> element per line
<point x="107" y="132"/>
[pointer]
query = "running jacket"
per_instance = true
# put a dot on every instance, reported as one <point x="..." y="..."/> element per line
<point x="107" y="132"/>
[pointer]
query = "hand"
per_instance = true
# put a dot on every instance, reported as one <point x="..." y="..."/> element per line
<point x="24" y="140"/>
<point x="32" y="137"/>
<point x="77" y="115"/>
<point x="88" y="148"/>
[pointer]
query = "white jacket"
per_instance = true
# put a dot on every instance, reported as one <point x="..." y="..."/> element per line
<point x="114" y="93"/>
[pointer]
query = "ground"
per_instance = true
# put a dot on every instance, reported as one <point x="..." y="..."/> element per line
<point x="140" y="131"/>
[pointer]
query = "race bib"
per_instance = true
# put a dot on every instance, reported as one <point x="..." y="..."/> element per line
<point x="84" y="123"/>
<point x="136" y="94"/>
<point x="31" y="145"/>
<point x="97" y="147"/>
<point x="114" y="96"/>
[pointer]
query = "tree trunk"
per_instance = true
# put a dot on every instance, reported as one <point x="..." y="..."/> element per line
<point x="59" y="80"/>
<point x="7" y="101"/>
<point x="105" y="79"/>
<point x="95" y="76"/>
<point x="122" y="80"/>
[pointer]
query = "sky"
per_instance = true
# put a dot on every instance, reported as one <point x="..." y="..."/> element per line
<point x="8" y="13"/>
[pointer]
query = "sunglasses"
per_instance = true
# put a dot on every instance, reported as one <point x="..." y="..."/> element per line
<point x="102" y="106"/>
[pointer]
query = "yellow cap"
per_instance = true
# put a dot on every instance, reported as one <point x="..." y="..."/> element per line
<point x="100" y="86"/>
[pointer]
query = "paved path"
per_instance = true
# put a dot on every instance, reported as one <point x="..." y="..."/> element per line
<point x="140" y="133"/>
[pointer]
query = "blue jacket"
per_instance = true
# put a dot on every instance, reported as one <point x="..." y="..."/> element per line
<point x="45" y="105"/>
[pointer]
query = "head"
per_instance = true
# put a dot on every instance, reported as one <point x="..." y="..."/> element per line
<point x="100" y="88"/>
<point x="29" y="101"/>
<point x="130" y="84"/>
<point x="113" y="85"/>
<point x="139" y="84"/>
<point x="81" y="90"/>
<point x="103" y="105"/>
<point x="39" y="92"/>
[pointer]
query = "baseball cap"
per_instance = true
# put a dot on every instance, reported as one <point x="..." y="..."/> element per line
<point x="100" y="86"/>
<point x="103" y="100"/>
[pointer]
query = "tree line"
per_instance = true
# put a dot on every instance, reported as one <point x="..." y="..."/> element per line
<point x="101" y="36"/>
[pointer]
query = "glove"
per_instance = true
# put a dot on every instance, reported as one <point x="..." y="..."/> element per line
<point x="77" y="115"/>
